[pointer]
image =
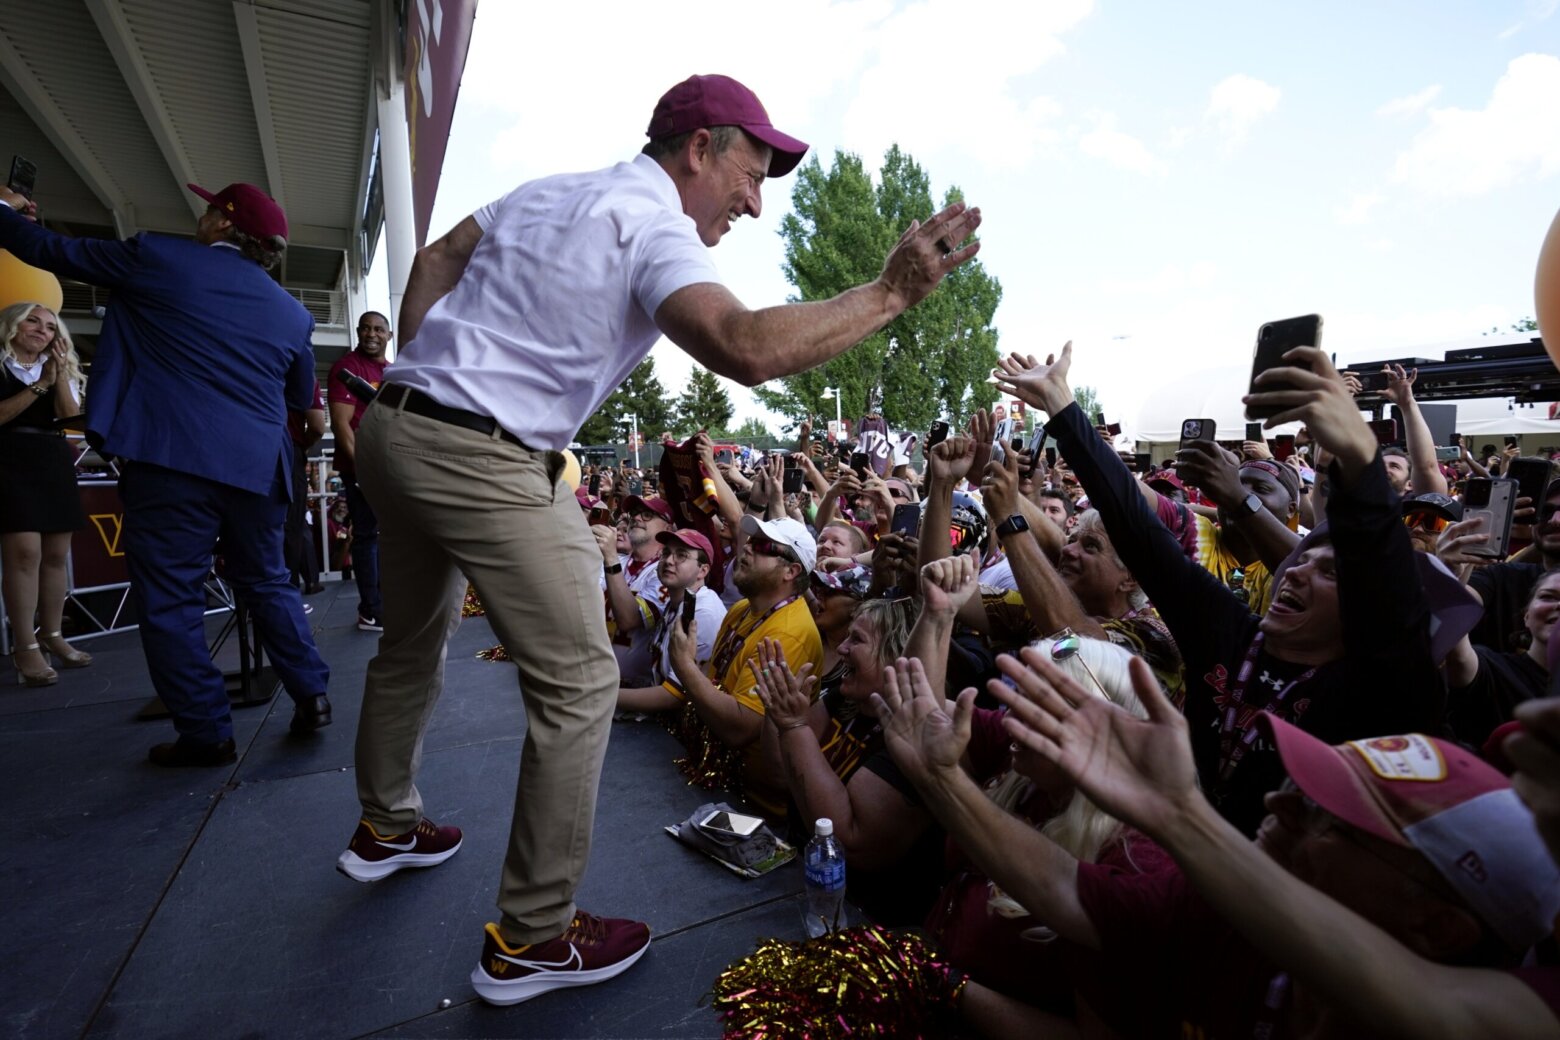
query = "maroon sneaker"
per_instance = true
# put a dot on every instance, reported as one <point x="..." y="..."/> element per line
<point x="371" y="855"/>
<point x="593" y="949"/>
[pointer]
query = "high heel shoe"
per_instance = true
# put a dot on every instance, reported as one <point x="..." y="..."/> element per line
<point x="69" y="657"/>
<point x="47" y="677"/>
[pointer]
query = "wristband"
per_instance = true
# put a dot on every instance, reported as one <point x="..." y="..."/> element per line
<point x="614" y="568"/>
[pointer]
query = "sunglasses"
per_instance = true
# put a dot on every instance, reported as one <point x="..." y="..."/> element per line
<point x="769" y="547"/>
<point x="1069" y="644"/>
<point x="1430" y="523"/>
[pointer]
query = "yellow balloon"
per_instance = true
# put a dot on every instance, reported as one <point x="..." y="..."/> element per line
<point x="20" y="283"/>
<point x="571" y="470"/>
<point x="1546" y="292"/>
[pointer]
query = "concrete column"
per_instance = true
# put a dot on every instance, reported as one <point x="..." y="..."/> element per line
<point x="400" y="237"/>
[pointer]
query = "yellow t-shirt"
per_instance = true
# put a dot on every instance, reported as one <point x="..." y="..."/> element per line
<point x="1219" y="562"/>
<point x="793" y="626"/>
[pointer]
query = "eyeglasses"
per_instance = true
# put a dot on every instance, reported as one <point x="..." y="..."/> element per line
<point x="1430" y="523"/>
<point x="769" y="547"/>
<point x="1067" y="644"/>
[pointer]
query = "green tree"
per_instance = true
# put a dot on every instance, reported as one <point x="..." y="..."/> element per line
<point x="933" y="359"/>
<point x="750" y="430"/>
<point x="640" y="394"/>
<point x="1087" y="400"/>
<point x="1520" y="325"/>
<point x="705" y="405"/>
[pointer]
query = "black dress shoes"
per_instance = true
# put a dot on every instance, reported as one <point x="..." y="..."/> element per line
<point x="310" y="714"/>
<point x="193" y="753"/>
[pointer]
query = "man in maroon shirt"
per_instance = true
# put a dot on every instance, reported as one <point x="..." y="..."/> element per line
<point x="368" y="363"/>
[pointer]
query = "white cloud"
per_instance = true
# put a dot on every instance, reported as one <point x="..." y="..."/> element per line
<point x="1237" y="103"/>
<point x="1358" y="209"/>
<point x="974" y="104"/>
<point x="1515" y="135"/>
<point x="1122" y="151"/>
<point x="1407" y="106"/>
<point x="1171" y="280"/>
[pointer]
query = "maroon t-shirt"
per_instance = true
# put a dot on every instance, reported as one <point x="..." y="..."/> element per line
<point x="365" y="368"/>
<point x="1168" y="966"/>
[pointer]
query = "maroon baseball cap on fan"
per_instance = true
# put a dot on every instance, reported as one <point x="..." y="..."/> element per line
<point x="1442" y="800"/>
<point x="251" y="210"/>
<point x="706" y="101"/>
<point x="689" y="537"/>
<point x="654" y="504"/>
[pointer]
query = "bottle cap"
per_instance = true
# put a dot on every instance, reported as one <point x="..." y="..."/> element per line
<point x="823" y="826"/>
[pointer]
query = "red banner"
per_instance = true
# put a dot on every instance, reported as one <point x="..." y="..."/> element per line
<point x="438" y="32"/>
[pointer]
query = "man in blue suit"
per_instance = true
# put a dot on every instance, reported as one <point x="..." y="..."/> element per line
<point x="200" y="356"/>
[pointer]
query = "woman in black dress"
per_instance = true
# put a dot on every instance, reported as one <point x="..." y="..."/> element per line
<point x="40" y="380"/>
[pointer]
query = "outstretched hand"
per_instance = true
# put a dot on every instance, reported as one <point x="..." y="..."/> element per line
<point x="1139" y="770"/>
<point x="922" y="738"/>
<point x="1042" y="386"/>
<point x="927" y="253"/>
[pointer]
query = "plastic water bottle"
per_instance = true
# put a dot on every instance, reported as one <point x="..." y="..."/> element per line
<point x="824" y="862"/>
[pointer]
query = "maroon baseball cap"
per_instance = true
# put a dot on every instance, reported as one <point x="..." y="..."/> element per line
<point x="655" y="504"/>
<point x="251" y="210"/>
<point x="689" y="537"/>
<point x="705" y="101"/>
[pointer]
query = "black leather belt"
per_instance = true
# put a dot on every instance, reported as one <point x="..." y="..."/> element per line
<point x="418" y="403"/>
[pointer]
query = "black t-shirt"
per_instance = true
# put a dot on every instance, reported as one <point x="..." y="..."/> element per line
<point x="1504" y="588"/>
<point x="1502" y="682"/>
<point x="1384" y="680"/>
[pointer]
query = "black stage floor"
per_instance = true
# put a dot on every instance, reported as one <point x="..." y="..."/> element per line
<point x="141" y="902"/>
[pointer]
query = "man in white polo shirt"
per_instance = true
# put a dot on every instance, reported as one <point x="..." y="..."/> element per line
<point x="515" y="327"/>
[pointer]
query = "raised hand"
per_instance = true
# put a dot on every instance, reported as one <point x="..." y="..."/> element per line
<point x="1139" y="770"/>
<point x="1316" y="395"/>
<point x="983" y="430"/>
<point x="1400" y="384"/>
<point x="922" y="738"/>
<point x="951" y="460"/>
<point x="999" y="488"/>
<point x="1206" y="466"/>
<point x="786" y="695"/>
<point x="1042" y="386"/>
<point x="606" y="542"/>
<point x="947" y="584"/>
<point x="926" y="253"/>
<point x="1454" y="542"/>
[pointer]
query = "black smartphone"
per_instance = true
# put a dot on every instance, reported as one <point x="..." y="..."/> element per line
<point x="1386" y="431"/>
<point x="1036" y="443"/>
<point x="594" y="487"/>
<point x="24" y="176"/>
<point x="861" y="462"/>
<point x="1456" y="439"/>
<point x="792" y="481"/>
<point x="1490" y="501"/>
<point x="1283" y="446"/>
<point x="1254" y="432"/>
<point x="1017" y="444"/>
<point x="1197" y="430"/>
<point x="1114" y="429"/>
<point x="907" y="519"/>
<point x="690" y="604"/>
<point x="1141" y="462"/>
<point x="1099" y="418"/>
<point x="1511" y="442"/>
<point x="938" y="434"/>
<point x="1050" y="457"/>
<point x="1274" y="340"/>
<point x="1531" y="475"/>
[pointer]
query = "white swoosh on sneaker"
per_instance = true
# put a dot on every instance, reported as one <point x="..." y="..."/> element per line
<point x="571" y="961"/>
<point x="409" y="846"/>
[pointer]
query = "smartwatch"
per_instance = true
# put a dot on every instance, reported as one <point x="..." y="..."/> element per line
<point x="1251" y="505"/>
<point x="1012" y="525"/>
<point x="613" y="568"/>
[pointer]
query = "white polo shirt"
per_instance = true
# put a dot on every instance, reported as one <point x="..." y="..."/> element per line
<point x="557" y="303"/>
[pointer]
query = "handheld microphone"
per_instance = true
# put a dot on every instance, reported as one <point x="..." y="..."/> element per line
<point x="361" y="388"/>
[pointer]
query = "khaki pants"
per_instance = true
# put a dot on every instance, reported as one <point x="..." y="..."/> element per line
<point x="454" y="502"/>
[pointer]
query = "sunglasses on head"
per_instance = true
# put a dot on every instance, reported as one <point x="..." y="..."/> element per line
<point x="1069" y="644"/>
<point x="769" y="547"/>
<point x="1430" y="523"/>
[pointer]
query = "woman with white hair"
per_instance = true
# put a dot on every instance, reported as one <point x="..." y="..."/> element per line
<point x="40" y="381"/>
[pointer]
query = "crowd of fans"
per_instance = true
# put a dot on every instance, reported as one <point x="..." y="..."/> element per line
<point x="1158" y="665"/>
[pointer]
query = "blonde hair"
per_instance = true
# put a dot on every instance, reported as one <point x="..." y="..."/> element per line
<point x="11" y="320"/>
<point x="1089" y="520"/>
<point x="1082" y="828"/>
<point x="892" y="619"/>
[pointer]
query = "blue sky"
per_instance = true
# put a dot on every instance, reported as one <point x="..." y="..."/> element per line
<point x="1156" y="179"/>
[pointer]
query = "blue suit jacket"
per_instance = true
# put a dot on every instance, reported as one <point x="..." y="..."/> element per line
<point x="200" y="357"/>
